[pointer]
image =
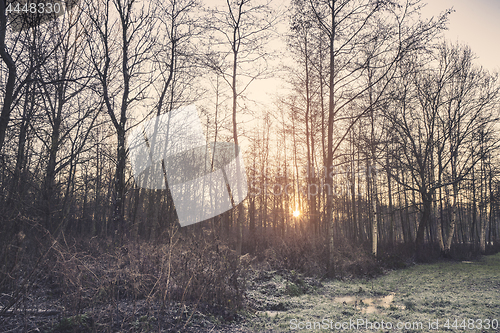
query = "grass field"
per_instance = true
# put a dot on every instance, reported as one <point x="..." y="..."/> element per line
<point x="443" y="294"/>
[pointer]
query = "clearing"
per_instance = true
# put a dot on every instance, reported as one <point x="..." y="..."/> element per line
<point x="449" y="295"/>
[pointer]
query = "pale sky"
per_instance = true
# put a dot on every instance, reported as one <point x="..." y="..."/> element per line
<point x="476" y="23"/>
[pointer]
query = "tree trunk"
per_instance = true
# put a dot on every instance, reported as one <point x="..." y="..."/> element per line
<point x="391" y="209"/>
<point x="119" y="193"/>
<point x="439" y="223"/>
<point x="239" y="221"/>
<point x="482" y="221"/>
<point x="9" y="88"/>
<point x="453" y="221"/>
<point x="424" y="223"/>
<point x="329" y="159"/>
<point x="353" y="198"/>
<point x="375" y="213"/>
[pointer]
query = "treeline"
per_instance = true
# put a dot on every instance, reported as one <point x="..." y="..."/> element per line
<point x="389" y="136"/>
<point x="418" y="169"/>
<point x="386" y="137"/>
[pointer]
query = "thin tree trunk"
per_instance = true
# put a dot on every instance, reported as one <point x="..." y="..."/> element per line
<point x="11" y="79"/>
<point x="329" y="160"/>
<point x="482" y="221"/>
<point x="239" y="221"/>
<point x="453" y="220"/>
<point x="391" y="208"/>
<point x="439" y="223"/>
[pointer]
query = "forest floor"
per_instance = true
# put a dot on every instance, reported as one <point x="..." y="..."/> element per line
<point x="448" y="296"/>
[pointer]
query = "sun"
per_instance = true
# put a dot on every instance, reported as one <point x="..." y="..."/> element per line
<point x="296" y="213"/>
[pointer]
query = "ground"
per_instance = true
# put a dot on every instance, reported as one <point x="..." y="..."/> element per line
<point x="446" y="293"/>
<point x="448" y="296"/>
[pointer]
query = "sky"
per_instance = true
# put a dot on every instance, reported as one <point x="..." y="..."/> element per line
<point x="474" y="22"/>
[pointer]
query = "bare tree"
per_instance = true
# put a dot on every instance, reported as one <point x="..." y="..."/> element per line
<point x="64" y="80"/>
<point x="440" y="104"/>
<point x="120" y="42"/>
<point x="9" y="87"/>
<point x="244" y="26"/>
<point x="351" y="27"/>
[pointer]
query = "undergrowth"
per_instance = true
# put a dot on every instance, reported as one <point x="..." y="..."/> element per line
<point x="101" y="284"/>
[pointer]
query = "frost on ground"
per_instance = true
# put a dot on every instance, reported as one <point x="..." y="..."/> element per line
<point x="446" y="295"/>
<point x="441" y="295"/>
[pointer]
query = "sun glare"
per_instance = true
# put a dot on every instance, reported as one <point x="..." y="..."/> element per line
<point x="296" y="213"/>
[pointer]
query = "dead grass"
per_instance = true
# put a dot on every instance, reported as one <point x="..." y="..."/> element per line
<point x="307" y="255"/>
<point x="185" y="277"/>
<point x="188" y="282"/>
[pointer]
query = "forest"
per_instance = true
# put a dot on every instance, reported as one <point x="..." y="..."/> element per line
<point x="368" y="142"/>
